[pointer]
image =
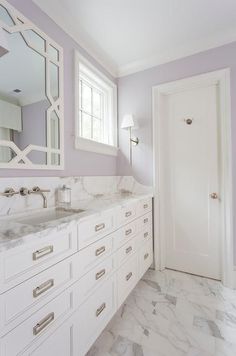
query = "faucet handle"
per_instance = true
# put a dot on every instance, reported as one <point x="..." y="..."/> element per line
<point x="24" y="191"/>
<point x="38" y="190"/>
<point x="9" y="192"/>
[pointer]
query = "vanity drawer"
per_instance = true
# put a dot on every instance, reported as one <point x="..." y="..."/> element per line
<point x="53" y="345"/>
<point x="23" y="262"/>
<point x="91" y="230"/>
<point x="93" y="279"/>
<point x="95" y="312"/>
<point x="94" y="254"/>
<point x="127" y="277"/>
<point x="126" y="251"/>
<point x="144" y="206"/>
<point x="125" y="233"/>
<point x="37" y="325"/>
<point x="18" y="302"/>
<point x="145" y="257"/>
<point x="145" y="221"/>
<point x="127" y="213"/>
<point x="145" y="235"/>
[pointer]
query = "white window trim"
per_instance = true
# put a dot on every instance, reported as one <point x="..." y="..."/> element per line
<point x="83" y="143"/>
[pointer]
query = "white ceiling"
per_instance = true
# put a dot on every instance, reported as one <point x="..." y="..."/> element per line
<point x="130" y="35"/>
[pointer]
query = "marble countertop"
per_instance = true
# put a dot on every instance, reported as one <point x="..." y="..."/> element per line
<point x="14" y="233"/>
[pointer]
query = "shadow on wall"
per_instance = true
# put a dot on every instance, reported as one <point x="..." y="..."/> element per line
<point x="123" y="161"/>
<point x="126" y="169"/>
<point x="141" y="154"/>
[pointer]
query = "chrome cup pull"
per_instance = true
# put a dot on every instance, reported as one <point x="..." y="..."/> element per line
<point x="145" y="206"/>
<point x="100" y="227"/>
<point x="100" y="250"/>
<point x="42" y="252"/>
<point x="128" y="232"/>
<point x="146" y="256"/>
<point x="145" y="220"/>
<point x="146" y="234"/>
<point x="100" y="309"/>
<point x="128" y="213"/>
<point x="214" y="196"/>
<point x="100" y="274"/>
<point x="129" y="275"/>
<point x="43" y="323"/>
<point x="129" y="249"/>
<point x="43" y="288"/>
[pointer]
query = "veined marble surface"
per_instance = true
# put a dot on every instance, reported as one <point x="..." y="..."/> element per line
<point x="171" y="313"/>
<point x="14" y="233"/>
<point x="83" y="189"/>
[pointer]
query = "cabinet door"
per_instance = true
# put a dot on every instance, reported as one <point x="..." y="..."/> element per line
<point x="127" y="277"/>
<point x="59" y="343"/>
<point x="93" y="316"/>
<point x="145" y="257"/>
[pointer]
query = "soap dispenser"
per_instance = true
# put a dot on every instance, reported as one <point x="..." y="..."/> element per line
<point x="64" y="197"/>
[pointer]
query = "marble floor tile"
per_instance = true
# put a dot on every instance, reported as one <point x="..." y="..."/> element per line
<point x="223" y="348"/>
<point x="172" y="313"/>
<point x="207" y="326"/>
<point x="226" y="318"/>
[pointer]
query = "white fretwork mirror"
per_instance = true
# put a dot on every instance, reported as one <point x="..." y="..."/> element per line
<point x="31" y="95"/>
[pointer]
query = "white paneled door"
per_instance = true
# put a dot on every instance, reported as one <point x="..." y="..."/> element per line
<point x="190" y="179"/>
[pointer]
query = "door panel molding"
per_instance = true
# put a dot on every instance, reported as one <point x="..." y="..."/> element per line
<point x="220" y="78"/>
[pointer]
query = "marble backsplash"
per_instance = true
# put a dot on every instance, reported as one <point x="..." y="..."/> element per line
<point x="83" y="188"/>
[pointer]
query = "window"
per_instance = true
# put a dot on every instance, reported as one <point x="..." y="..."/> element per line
<point x="96" y="112"/>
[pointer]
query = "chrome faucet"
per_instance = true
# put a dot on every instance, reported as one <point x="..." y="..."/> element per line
<point x="36" y="190"/>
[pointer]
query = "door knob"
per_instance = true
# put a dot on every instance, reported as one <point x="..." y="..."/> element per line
<point x="214" y="196"/>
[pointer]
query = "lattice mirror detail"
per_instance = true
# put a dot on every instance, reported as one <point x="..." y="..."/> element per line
<point x="31" y="95"/>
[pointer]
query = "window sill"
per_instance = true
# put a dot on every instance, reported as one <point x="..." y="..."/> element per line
<point x="96" y="147"/>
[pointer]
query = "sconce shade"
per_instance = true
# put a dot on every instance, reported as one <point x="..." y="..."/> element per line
<point x="128" y="121"/>
<point x="128" y="124"/>
<point x="3" y="43"/>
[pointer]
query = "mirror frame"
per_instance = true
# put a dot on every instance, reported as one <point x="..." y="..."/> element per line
<point x="23" y="24"/>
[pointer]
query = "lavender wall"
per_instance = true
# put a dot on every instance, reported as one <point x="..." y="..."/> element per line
<point x="135" y="97"/>
<point x="77" y="163"/>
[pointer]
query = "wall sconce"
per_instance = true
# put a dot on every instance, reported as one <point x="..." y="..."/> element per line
<point x="3" y="43"/>
<point x="127" y="124"/>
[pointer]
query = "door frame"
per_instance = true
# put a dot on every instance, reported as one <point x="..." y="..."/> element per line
<point x="221" y="78"/>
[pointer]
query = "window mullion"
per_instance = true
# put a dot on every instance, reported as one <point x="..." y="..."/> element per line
<point x="89" y="113"/>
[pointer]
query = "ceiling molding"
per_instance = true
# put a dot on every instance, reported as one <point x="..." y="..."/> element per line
<point x="169" y="55"/>
<point x="70" y="29"/>
<point x="177" y="53"/>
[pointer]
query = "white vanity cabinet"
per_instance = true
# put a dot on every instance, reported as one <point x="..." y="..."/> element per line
<point x="58" y="292"/>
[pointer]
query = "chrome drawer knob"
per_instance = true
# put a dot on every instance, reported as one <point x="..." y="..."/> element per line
<point x="214" y="196"/>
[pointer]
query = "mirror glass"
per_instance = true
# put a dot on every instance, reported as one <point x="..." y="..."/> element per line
<point x="31" y="37"/>
<point x="5" y="16"/>
<point x="29" y="86"/>
<point x="53" y="53"/>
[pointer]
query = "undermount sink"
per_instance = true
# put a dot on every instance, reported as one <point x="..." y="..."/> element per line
<point x="49" y="215"/>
